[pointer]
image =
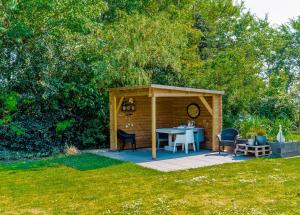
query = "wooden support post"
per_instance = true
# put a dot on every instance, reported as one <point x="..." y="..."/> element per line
<point x="205" y="103"/>
<point x="216" y="120"/>
<point x="114" y="141"/>
<point x="153" y="120"/>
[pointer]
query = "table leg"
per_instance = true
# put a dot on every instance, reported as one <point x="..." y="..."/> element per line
<point x="246" y="150"/>
<point x="170" y="142"/>
<point x="236" y="148"/>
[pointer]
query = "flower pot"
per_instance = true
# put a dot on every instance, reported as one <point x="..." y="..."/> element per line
<point x="261" y="140"/>
<point x="250" y="142"/>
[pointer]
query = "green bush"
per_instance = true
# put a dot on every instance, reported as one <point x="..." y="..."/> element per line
<point x="33" y="132"/>
<point x="59" y="58"/>
<point x="293" y="136"/>
<point x="255" y="124"/>
<point x="8" y="105"/>
<point x="35" y="136"/>
<point x="63" y="125"/>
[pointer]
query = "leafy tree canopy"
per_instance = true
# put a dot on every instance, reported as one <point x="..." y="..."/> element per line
<point x="58" y="58"/>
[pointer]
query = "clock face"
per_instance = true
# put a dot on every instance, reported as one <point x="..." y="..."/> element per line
<point x="193" y="110"/>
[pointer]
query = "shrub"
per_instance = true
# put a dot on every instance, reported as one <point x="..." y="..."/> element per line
<point x="71" y="150"/>
<point x="261" y="131"/>
<point x="8" y="104"/>
<point x="254" y="125"/>
<point x="63" y="125"/>
<point x="249" y="125"/>
<point x="287" y="127"/>
<point x="30" y="135"/>
<point x="293" y="136"/>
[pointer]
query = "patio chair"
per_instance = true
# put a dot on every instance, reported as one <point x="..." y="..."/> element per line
<point x="184" y="140"/>
<point x="160" y="137"/>
<point x="127" y="138"/>
<point x="228" y="137"/>
<point x="199" y="137"/>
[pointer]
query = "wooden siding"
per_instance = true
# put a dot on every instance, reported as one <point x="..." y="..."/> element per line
<point x="170" y="112"/>
<point x="141" y="120"/>
<point x="179" y="107"/>
<point x="159" y="106"/>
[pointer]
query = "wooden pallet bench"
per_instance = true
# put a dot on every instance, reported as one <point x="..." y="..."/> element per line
<point x="257" y="151"/>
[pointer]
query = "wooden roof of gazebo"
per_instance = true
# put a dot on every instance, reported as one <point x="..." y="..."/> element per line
<point x="163" y="90"/>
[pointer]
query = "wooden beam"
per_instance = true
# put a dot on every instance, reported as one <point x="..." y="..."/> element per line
<point x="131" y="93"/>
<point x="119" y="105"/>
<point x="174" y="94"/>
<point x="205" y="103"/>
<point x="164" y="87"/>
<point x="217" y="120"/>
<point x="153" y="121"/>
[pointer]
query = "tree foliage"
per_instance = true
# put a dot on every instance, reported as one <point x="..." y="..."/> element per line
<point x="58" y="59"/>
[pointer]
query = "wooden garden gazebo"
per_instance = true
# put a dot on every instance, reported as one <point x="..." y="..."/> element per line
<point x="159" y="106"/>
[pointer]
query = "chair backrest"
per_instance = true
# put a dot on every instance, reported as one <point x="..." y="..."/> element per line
<point x="189" y="135"/>
<point x="229" y="134"/>
<point x="122" y="134"/>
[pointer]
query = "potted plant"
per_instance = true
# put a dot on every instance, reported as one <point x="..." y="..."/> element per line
<point x="261" y="138"/>
<point x="251" y="138"/>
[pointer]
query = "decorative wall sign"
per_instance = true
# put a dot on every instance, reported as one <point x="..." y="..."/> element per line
<point x="193" y="110"/>
<point x="128" y="105"/>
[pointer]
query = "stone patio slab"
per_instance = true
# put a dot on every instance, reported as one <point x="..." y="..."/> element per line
<point x="168" y="161"/>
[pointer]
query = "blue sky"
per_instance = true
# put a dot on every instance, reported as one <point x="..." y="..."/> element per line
<point x="279" y="11"/>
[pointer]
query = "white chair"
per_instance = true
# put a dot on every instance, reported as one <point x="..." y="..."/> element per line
<point x="184" y="140"/>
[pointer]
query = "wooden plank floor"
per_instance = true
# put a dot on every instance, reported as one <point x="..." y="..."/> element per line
<point x="169" y="161"/>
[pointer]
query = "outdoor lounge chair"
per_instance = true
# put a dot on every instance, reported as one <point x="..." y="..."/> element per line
<point x="127" y="138"/>
<point x="228" y="137"/>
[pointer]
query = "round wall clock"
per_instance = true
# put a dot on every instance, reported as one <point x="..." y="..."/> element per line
<point x="193" y="110"/>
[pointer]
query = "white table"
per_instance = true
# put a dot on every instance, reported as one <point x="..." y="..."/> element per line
<point x="173" y="131"/>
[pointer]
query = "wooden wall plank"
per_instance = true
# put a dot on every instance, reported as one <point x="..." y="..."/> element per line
<point x="179" y="114"/>
<point x="169" y="113"/>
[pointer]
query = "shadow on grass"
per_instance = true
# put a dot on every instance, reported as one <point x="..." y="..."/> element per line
<point x="86" y="161"/>
<point x="82" y="162"/>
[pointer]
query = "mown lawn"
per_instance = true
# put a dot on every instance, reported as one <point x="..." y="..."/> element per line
<point x="88" y="184"/>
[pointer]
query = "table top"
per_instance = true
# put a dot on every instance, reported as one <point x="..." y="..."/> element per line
<point x="175" y="130"/>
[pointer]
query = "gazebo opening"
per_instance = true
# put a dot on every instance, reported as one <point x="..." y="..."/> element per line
<point x="145" y="110"/>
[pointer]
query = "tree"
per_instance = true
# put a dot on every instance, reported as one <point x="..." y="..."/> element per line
<point x="60" y="57"/>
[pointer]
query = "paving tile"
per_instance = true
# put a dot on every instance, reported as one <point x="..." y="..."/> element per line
<point x="168" y="161"/>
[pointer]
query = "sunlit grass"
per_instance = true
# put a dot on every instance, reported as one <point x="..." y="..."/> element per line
<point x="295" y="136"/>
<point x="89" y="184"/>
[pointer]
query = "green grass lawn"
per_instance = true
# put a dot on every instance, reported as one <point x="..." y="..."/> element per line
<point x="89" y="184"/>
<point x="294" y="136"/>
